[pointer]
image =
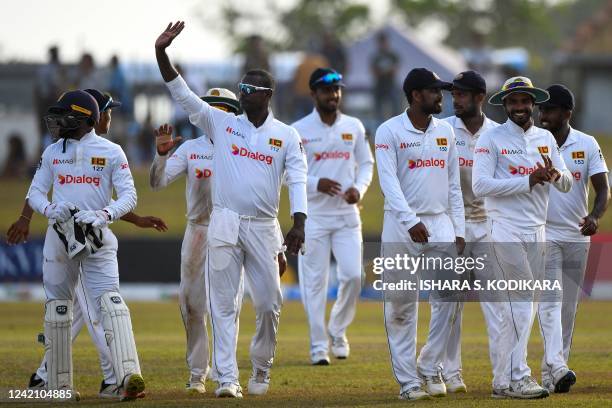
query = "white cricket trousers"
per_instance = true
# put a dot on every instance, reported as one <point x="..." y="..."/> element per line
<point x="518" y="256"/>
<point x="340" y="235"/>
<point x="84" y="313"/>
<point x="565" y="262"/>
<point x="192" y="299"/>
<point x="401" y="307"/>
<point x="478" y="246"/>
<point x="256" y="245"/>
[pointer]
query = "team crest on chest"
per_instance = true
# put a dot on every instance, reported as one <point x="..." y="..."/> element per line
<point x="98" y="163"/>
<point x="347" y="138"/>
<point x="543" y="149"/>
<point x="442" y="143"/>
<point x="275" y="144"/>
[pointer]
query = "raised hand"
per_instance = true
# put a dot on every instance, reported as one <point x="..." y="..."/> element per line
<point x="170" y="33"/>
<point x="163" y="139"/>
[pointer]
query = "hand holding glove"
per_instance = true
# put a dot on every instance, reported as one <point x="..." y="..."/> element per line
<point x="59" y="211"/>
<point x="97" y="218"/>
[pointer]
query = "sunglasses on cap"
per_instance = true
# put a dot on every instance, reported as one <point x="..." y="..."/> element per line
<point x="248" y="89"/>
<point x="107" y="104"/>
<point x="329" y="78"/>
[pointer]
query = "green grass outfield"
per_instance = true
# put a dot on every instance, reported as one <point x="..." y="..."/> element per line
<point x="364" y="379"/>
<point x="169" y="204"/>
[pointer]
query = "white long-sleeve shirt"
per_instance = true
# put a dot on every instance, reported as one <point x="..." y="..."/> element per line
<point x="419" y="171"/>
<point x="249" y="161"/>
<point x="466" y="143"/>
<point x="583" y="158"/>
<point x="504" y="158"/>
<point x="85" y="175"/>
<point x="194" y="159"/>
<point x="339" y="152"/>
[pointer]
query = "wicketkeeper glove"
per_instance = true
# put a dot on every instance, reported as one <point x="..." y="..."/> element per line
<point x="97" y="218"/>
<point x="59" y="211"/>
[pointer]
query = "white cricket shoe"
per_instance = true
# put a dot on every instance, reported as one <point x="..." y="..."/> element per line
<point x="259" y="382"/>
<point x="212" y="374"/>
<point x="414" y="393"/>
<point x="229" y="390"/>
<point x="340" y="347"/>
<point x="526" y="388"/>
<point x="455" y="384"/>
<point x="196" y="385"/>
<point x="320" y="358"/>
<point x="563" y="384"/>
<point x="434" y="385"/>
<point x="500" y="393"/>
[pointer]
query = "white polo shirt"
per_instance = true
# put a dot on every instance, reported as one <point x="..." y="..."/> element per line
<point x="85" y="174"/>
<point x="504" y="158"/>
<point x="583" y="159"/>
<point x="339" y="152"/>
<point x="466" y="143"/>
<point x="249" y="161"/>
<point x="419" y="171"/>
<point x="194" y="159"/>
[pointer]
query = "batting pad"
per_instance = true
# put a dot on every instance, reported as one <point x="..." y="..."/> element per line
<point x="58" y="344"/>
<point x="119" y="336"/>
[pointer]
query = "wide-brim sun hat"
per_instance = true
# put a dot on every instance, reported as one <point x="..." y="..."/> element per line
<point x="224" y="97"/>
<point x="519" y="84"/>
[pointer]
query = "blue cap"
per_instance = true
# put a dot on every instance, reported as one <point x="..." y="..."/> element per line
<point x="78" y="102"/>
<point x="105" y="100"/>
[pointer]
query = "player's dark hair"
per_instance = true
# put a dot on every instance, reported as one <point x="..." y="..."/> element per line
<point x="265" y="76"/>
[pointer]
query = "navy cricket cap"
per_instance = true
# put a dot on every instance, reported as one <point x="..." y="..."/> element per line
<point x="470" y="81"/>
<point x="422" y="78"/>
<point x="79" y="102"/>
<point x="325" y="77"/>
<point x="560" y="96"/>
<point x="105" y="100"/>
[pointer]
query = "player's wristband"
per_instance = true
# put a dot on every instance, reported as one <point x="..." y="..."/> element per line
<point x="24" y="217"/>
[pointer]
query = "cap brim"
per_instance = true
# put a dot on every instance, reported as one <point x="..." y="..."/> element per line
<point x="467" y="88"/>
<point x="447" y="86"/>
<point x="114" y="104"/>
<point x="539" y="95"/>
<point x="231" y="104"/>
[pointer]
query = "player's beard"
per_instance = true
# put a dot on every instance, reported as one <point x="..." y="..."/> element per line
<point x="468" y="112"/>
<point x="432" y="109"/>
<point x="520" y="120"/>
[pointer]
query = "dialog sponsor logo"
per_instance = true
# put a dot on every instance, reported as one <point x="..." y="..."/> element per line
<point x="577" y="175"/>
<point x="521" y="170"/>
<point x="463" y="162"/>
<point x="481" y="150"/>
<point x="416" y="164"/>
<point x="381" y="147"/>
<point x="332" y="155"/>
<point x="70" y="179"/>
<point x="204" y="173"/>
<point x="244" y="152"/>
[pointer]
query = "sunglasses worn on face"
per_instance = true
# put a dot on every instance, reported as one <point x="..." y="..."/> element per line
<point x="248" y="89"/>
<point x="329" y="78"/>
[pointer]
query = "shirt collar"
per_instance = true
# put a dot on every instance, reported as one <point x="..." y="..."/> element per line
<point x="317" y="118"/>
<point x="269" y="120"/>
<point x="572" y="138"/>
<point x="410" y="127"/>
<point x="516" y="129"/>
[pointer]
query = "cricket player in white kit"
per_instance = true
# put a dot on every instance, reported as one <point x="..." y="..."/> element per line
<point x="418" y="171"/>
<point x="513" y="164"/>
<point x="569" y="227"/>
<point x="252" y="153"/>
<point x="83" y="169"/>
<point x="194" y="160"/>
<point x="84" y="308"/>
<point x="469" y="92"/>
<point x="340" y="166"/>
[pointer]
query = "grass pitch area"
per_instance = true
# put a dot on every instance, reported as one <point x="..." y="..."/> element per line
<point x="365" y="379"/>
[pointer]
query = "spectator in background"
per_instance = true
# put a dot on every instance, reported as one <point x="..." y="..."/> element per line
<point x="16" y="165"/>
<point x="143" y="140"/>
<point x="51" y="80"/>
<point x="302" y="101"/>
<point x="333" y="50"/>
<point x="118" y="86"/>
<point x="384" y="64"/>
<point x="87" y="76"/>
<point x="256" y="55"/>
